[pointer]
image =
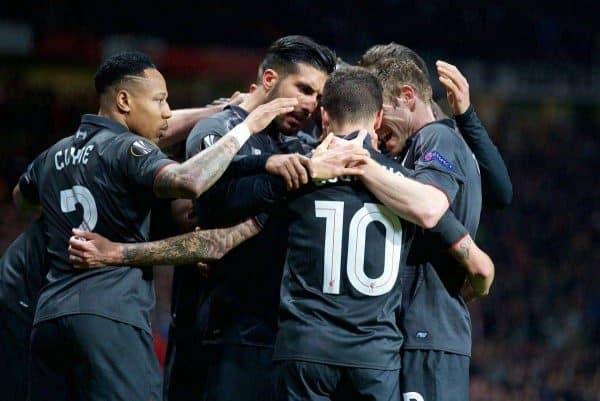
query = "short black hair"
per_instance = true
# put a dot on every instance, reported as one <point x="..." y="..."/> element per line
<point x="116" y="67"/>
<point x="352" y="94"/>
<point x="285" y="53"/>
<point x="377" y="54"/>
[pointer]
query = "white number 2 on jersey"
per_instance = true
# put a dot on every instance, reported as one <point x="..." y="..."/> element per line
<point x="78" y="194"/>
<point x="333" y="212"/>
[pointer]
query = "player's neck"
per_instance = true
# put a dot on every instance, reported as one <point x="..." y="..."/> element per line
<point x="113" y="115"/>
<point x="347" y="129"/>
<point x="423" y="116"/>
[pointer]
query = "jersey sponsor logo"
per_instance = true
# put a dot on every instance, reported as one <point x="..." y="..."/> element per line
<point x="255" y="151"/>
<point x="422" y="335"/>
<point x="140" y="148"/>
<point x="436" y="156"/>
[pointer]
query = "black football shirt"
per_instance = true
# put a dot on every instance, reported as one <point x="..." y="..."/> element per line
<point x="341" y="286"/>
<point x="101" y="180"/>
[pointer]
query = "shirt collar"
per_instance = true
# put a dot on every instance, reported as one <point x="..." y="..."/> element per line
<point x="101" y="121"/>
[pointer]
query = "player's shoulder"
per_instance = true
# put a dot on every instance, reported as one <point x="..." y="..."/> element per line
<point x="219" y="123"/>
<point x="128" y="143"/>
<point x="441" y="134"/>
<point x="440" y="130"/>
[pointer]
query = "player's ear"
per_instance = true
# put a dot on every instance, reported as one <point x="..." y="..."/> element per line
<point x="269" y="79"/>
<point x="324" y="121"/>
<point x="378" y="120"/>
<point x="123" y="101"/>
<point x="407" y="96"/>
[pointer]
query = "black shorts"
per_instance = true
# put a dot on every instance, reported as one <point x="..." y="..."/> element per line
<point x="429" y="375"/>
<point x="299" y="380"/>
<point x="185" y="367"/>
<point x="88" y="357"/>
<point x="239" y="372"/>
<point x="14" y="355"/>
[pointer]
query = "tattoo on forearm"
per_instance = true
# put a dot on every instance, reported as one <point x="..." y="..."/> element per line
<point x="196" y="175"/>
<point x="197" y="246"/>
<point x="465" y="247"/>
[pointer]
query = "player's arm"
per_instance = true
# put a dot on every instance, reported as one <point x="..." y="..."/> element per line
<point x="418" y="203"/>
<point x="182" y="121"/>
<point x="496" y="183"/>
<point x="479" y="266"/>
<point x="90" y="250"/>
<point x="455" y="238"/>
<point x="193" y="177"/>
<point x="25" y="193"/>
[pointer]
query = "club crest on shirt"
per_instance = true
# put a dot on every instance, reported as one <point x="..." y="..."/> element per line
<point x="434" y="155"/>
<point x="140" y="148"/>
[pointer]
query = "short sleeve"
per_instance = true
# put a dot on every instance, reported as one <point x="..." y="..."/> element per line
<point x="142" y="160"/>
<point x="28" y="183"/>
<point x="204" y="134"/>
<point x="448" y="231"/>
<point x="437" y="161"/>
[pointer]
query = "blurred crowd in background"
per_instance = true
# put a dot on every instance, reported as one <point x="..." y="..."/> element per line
<point x="536" y="336"/>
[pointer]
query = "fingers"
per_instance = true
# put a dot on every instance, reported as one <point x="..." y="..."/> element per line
<point x="77" y="262"/>
<point x="281" y="104"/>
<point x="361" y="136"/>
<point x="291" y="172"/>
<point x="300" y="170"/>
<point x="286" y="174"/>
<point x="453" y="73"/>
<point x="326" y="141"/>
<point x="449" y="84"/>
<point x="355" y="171"/>
<point x="84" y="234"/>
<point x="79" y="244"/>
<point x="77" y="253"/>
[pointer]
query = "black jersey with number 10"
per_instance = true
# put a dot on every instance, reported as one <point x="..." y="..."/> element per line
<point x="341" y="285"/>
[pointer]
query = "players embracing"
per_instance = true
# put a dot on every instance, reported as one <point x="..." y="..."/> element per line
<point x="374" y="248"/>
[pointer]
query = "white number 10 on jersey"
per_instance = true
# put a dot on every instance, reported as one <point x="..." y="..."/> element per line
<point x="333" y="213"/>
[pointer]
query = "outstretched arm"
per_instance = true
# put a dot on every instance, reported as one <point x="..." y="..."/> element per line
<point x="89" y="250"/>
<point x="191" y="178"/>
<point x="182" y="121"/>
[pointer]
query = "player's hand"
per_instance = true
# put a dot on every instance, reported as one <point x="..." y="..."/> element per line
<point x="291" y="167"/>
<point x="90" y="250"/>
<point x="265" y="113"/>
<point x="457" y="87"/>
<point x="237" y="98"/>
<point x="342" y="160"/>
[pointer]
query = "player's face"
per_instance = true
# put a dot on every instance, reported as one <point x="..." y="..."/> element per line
<point x="149" y="108"/>
<point x="306" y="85"/>
<point x="395" y="127"/>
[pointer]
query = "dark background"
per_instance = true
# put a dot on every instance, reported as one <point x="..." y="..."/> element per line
<point x="534" y="71"/>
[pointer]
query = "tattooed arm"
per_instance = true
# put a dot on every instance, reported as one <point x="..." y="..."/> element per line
<point x="191" y="178"/>
<point x="89" y="250"/>
<point x="479" y="266"/>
